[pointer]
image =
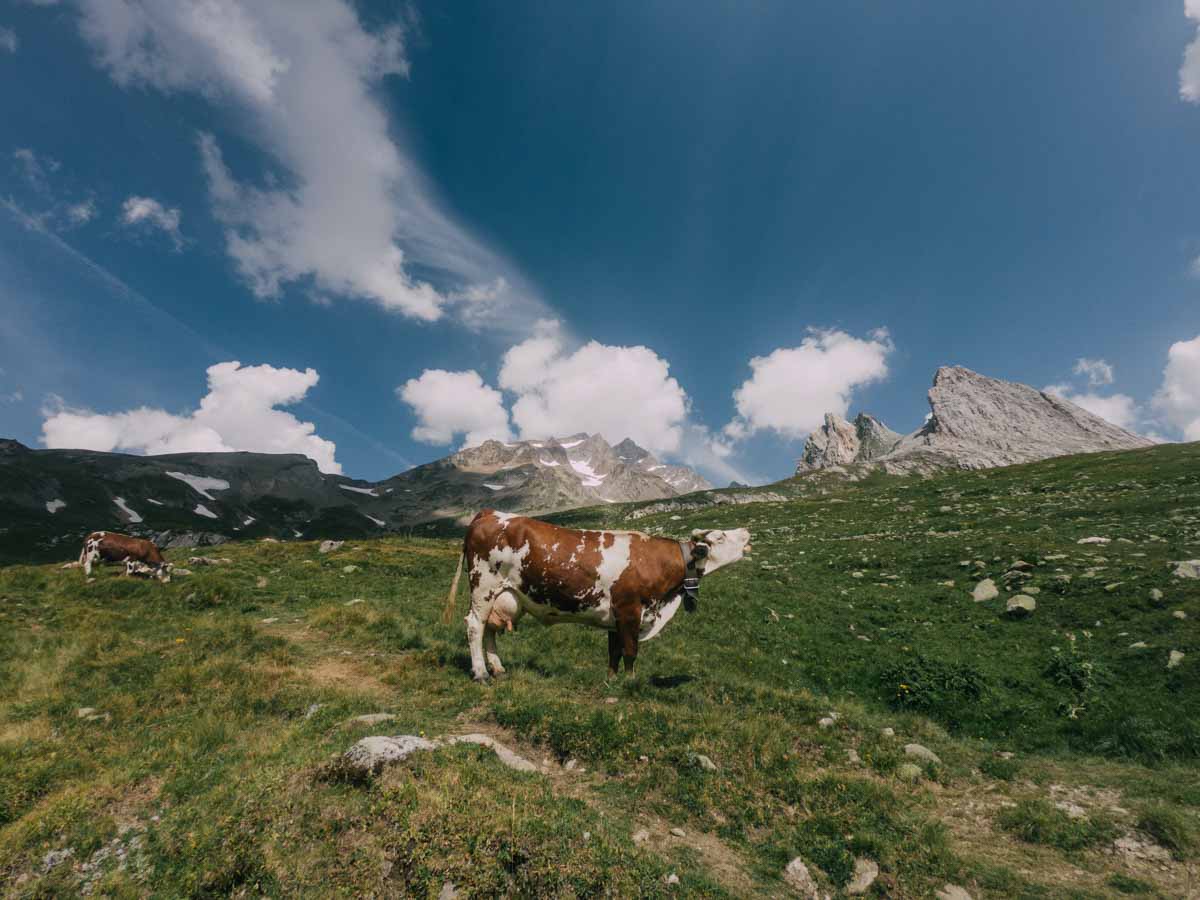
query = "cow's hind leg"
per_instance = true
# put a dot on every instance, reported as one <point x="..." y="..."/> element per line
<point x="489" y="647"/>
<point x="481" y="608"/>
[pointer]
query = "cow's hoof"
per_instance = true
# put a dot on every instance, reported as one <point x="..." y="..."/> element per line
<point x="481" y="679"/>
<point x="497" y="671"/>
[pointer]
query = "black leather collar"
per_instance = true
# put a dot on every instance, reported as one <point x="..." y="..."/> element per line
<point x="693" y="562"/>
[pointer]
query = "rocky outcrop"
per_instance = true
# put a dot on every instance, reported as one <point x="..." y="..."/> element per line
<point x="975" y="422"/>
<point x="840" y="443"/>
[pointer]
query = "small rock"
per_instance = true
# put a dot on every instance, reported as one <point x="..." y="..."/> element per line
<point x="799" y="880"/>
<point x="946" y="583"/>
<point x="1111" y="588"/>
<point x="371" y="754"/>
<point x="952" y="892"/>
<point x="678" y="832"/>
<point x="1187" y="569"/>
<point x="329" y="547"/>
<point x="1073" y="810"/>
<point x="917" y="751"/>
<point x="1138" y="645"/>
<point x="1156" y="594"/>
<point x="270" y="621"/>
<point x="355" y="601"/>
<point x="641" y="836"/>
<point x="1175" y="659"/>
<point x="705" y="763"/>
<point x="506" y="756"/>
<point x="1019" y="565"/>
<point x="449" y="890"/>
<point x="610" y="699"/>
<point x="1179" y="614"/>
<point x="571" y="764"/>
<point x="672" y="879"/>
<point x="853" y="758"/>
<point x="1131" y="846"/>
<point x="260" y="581"/>
<point x="1093" y="540"/>
<point x="827" y="722"/>
<point x="349" y="569"/>
<point x="84" y="711"/>
<point x="865" y="873"/>
<point x="208" y="561"/>
<point x="55" y="858"/>
<point x="887" y="732"/>
<point x="312" y="711"/>
<point x="1020" y="606"/>
<point x="985" y="590"/>
<point x="908" y="772"/>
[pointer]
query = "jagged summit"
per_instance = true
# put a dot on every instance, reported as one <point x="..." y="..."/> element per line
<point x="975" y="422"/>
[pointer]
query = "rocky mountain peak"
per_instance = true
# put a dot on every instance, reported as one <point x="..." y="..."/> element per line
<point x="975" y="422"/>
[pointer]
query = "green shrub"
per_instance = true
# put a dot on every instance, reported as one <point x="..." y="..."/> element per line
<point x="1126" y="885"/>
<point x="1040" y="822"/>
<point x="928" y="684"/>
<point x="1169" y="827"/>
<point x="998" y="768"/>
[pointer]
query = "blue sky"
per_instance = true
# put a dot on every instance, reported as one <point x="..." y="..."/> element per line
<point x="700" y="225"/>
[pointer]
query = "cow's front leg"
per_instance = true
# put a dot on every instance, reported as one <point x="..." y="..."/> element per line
<point x="481" y="608"/>
<point x="628" y="627"/>
<point x="489" y="646"/>
<point x="614" y="653"/>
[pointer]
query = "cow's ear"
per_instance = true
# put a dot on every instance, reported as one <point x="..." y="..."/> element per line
<point x="698" y="534"/>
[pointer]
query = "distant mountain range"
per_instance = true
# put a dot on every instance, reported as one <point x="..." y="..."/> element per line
<point x="49" y="498"/>
<point x="975" y="422"/>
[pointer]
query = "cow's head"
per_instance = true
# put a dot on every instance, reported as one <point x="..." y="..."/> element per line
<point x="721" y="547"/>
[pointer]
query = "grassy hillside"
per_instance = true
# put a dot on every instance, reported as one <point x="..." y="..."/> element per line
<point x="220" y="700"/>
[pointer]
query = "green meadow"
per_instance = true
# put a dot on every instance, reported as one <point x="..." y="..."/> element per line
<point x="181" y="740"/>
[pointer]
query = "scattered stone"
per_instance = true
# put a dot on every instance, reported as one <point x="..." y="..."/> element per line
<point x="209" y="561"/>
<point x="641" y="836"/>
<point x="865" y="873"/>
<point x="330" y="546"/>
<point x="799" y="880"/>
<point x="355" y="601"/>
<point x="571" y="764"/>
<point x="1175" y="658"/>
<point x="270" y="621"/>
<point x="887" y="732"/>
<point x="1020" y="606"/>
<point x="1093" y="540"/>
<point x="917" y="751"/>
<point x="853" y="758"/>
<point x="705" y="763"/>
<point x="312" y="711"/>
<point x="1179" y="614"/>
<point x="985" y="590"/>
<point x="1019" y="565"/>
<point x="1138" y="645"/>
<point x="1111" y="588"/>
<point x="1005" y="754"/>
<point x="449" y="891"/>
<point x="84" y="711"/>
<point x="827" y="722"/>
<point x="947" y="583"/>
<point x="952" y="892"/>
<point x="260" y="581"/>
<point x="1187" y="569"/>
<point x="1073" y="810"/>
<point x="678" y="832"/>
<point x="1156" y="594"/>
<point x="506" y="756"/>
<point x="349" y="569"/>
<point x="672" y="879"/>
<point x="909" y="772"/>
<point x="371" y="754"/>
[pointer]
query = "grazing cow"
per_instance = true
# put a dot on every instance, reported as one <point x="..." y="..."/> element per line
<point x="625" y="582"/>
<point x="108" y="547"/>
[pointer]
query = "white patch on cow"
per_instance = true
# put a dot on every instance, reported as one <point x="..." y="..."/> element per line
<point x="503" y="518"/>
<point x="571" y="444"/>
<point x="378" y="522"/>
<point x="653" y="623"/>
<point x="133" y="517"/>
<point x="53" y="506"/>
<point x="370" y="492"/>
<point x="202" y="510"/>
<point x="200" y="484"/>
<point x="152" y="500"/>
<point x="250" y="520"/>
<point x="614" y="561"/>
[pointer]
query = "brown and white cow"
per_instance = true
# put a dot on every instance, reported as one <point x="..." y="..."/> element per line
<point x="110" y="547"/>
<point x="626" y="582"/>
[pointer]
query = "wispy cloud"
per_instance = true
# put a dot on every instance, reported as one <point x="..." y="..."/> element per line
<point x="146" y="212"/>
<point x="345" y="208"/>
<point x="8" y="40"/>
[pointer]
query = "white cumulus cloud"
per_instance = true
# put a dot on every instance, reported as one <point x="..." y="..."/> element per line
<point x="239" y="412"/>
<point x="8" y="40"/>
<point x="447" y="404"/>
<point x="1189" y="71"/>
<point x="1120" y="409"/>
<point x="1178" y="399"/>
<point x="146" y="211"/>
<point x="611" y="390"/>
<point x="791" y="389"/>
<point x="340" y="204"/>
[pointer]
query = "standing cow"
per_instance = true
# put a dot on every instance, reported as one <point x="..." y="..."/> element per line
<point x="109" y="547"/>
<point x="625" y="582"/>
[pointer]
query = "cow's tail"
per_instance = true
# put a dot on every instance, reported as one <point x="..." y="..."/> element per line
<point x="448" y="609"/>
